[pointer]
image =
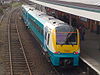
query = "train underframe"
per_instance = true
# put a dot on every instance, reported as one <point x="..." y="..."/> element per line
<point x="64" y="59"/>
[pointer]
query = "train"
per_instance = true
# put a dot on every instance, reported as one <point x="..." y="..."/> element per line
<point x="59" y="40"/>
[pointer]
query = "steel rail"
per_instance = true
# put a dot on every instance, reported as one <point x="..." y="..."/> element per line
<point x="8" y="29"/>
<point x="1" y="19"/>
<point x="9" y="45"/>
<point x="22" y="47"/>
<point x="9" y="42"/>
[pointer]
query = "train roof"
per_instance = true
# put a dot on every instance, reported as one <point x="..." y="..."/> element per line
<point x="41" y="16"/>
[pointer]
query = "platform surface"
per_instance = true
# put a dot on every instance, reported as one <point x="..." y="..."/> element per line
<point x="90" y="50"/>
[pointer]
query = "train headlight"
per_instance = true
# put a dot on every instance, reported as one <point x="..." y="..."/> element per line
<point x="57" y="52"/>
<point x="76" y="52"/>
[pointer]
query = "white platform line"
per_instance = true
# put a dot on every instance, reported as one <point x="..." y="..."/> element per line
<point x="98" y="72"/>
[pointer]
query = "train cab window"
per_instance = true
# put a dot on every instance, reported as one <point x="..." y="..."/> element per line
<point x="66" y="35"/>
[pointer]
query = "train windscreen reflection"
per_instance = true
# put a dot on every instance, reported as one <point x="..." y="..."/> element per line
<point x="66" y="36"/>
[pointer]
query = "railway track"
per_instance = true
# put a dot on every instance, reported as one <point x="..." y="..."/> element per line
<point x="18" y="60"/>
<point x="4" y="15"/>
<point x="3" y="40"/>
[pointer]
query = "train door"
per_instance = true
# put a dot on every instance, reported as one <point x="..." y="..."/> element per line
<point x="45" y="38"/>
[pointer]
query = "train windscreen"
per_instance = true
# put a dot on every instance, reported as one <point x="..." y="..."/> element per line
<point x="66" y="35"/>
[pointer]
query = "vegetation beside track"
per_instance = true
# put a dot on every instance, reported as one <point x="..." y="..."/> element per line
<point x="1" y="10"/>
<point x="3" y="7"/>
<point x="15" y="4"/>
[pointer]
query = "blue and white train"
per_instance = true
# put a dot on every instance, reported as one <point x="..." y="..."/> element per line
<point x="58" y="39"/>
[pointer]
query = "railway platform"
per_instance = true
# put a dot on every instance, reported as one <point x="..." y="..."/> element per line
<point x="90" y="50"/>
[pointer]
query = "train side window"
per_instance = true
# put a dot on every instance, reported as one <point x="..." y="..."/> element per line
<point x="36" y="26"/>
<point x="48" y="39"/>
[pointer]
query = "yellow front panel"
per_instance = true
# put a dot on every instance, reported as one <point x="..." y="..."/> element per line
<point x="65" y="48"/>
<point x="54" y="39"/>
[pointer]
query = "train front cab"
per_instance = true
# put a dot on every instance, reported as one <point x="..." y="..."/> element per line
<point x="66" y="45"/>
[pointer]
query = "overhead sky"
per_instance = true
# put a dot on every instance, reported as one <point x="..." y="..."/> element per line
<point x="94" y="2"/>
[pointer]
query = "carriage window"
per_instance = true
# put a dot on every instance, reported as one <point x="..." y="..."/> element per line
<point x="36" y="26"/>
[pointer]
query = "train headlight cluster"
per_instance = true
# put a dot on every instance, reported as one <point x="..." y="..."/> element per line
<point x="76" y="52"/>
<point x="57" y="52"/>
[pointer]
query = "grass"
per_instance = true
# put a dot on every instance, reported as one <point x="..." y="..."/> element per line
<point x="15" y="4"/>
<point x="1" y="10"/>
